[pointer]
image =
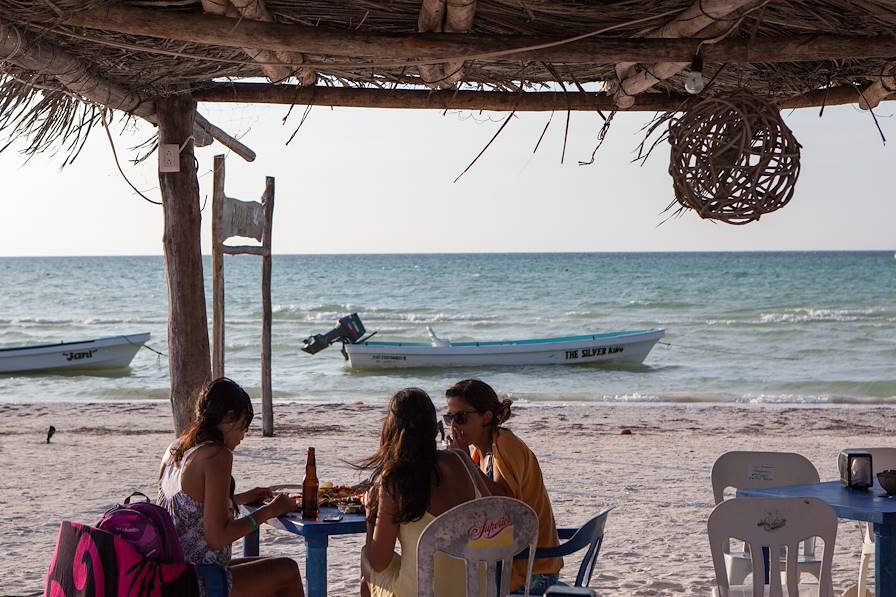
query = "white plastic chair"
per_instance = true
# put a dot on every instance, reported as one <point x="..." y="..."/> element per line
<point x="483" y="531"/>
<point x="881" y="459"/>
<point x="759" y="470"/>
<point x="779" y="525"/>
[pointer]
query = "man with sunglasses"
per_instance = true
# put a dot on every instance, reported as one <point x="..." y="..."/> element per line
<point x="474" y="418"/>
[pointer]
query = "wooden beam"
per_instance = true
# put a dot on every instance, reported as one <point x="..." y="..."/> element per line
<point x="242" y="250"/>
<point x="350" y="97"/>
<point x="422" y="48"/>
<point x="833" y="96"/>
<point x="260" y="93"/>
<point x="226" y="140"/>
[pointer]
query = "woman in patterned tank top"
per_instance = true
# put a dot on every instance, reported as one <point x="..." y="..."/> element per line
<point x="196" y="487"/>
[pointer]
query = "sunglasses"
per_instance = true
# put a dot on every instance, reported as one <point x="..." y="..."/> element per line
<point x="458" y="418"/>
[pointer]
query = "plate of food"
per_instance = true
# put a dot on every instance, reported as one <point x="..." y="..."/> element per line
<point x="349" y="499"/>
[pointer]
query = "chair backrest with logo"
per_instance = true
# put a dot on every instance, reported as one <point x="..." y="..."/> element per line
<point x="483" y="531"/>
<point x="759" y="470"/>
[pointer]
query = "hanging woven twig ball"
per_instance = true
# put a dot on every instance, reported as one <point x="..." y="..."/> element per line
<point x="733" y="158"/>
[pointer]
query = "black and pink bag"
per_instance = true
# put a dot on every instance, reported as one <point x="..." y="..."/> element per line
<point x="90" y="562"/>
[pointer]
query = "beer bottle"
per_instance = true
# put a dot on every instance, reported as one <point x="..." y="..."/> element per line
<point x="310" y="488"/>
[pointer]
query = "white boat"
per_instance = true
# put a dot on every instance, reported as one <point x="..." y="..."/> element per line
<point x="114" y="352"/>
<point x="617" y="347"/>
<point x="361" y="353"/>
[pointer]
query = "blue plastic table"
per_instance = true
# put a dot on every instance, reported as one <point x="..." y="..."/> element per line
<point x="316" y="534"/>
<point x="872" y="506"/>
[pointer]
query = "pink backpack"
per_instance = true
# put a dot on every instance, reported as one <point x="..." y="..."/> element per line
<point x="146" y="526"/>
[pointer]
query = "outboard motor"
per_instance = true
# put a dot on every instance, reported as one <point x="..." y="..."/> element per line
<point x="350" y="329"/>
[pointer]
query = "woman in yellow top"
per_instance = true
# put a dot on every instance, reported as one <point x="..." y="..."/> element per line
<point x="412" y="483"/>
<point x="508" y="465"/>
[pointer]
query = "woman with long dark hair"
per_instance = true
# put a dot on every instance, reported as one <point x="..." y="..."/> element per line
<point x="412" y="483"/>
<point x="475" y="418"/>
<point x="197" y="489"/>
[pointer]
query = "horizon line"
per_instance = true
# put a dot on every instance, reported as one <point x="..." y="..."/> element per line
<point x="396" y="253"/>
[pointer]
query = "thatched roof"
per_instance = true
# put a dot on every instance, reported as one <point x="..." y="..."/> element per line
<point x="124" y="54"/>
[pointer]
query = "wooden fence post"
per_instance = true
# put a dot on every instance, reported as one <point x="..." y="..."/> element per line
<point x="218" y="269"/>
<point x="267" y="404"/>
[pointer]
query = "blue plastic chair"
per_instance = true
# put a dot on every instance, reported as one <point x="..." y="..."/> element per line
<point x="590" y="535"/>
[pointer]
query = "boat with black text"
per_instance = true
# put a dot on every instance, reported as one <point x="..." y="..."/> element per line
<point x="360" y="352"/>
<point x="113" y="352"/>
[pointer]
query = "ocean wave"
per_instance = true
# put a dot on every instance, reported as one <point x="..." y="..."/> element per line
<point x="758" y="399"/>
<point x="303" y="308"/>
<point x="657" y="304"/>
<point x="814" y="399"/>
<point x="32" y="321"/>
<point x="726" y="322"/>
<point x="839" y="315"/>
<point x="579" y="314"/>
<point x="299" y="314"/>
<point x="785" y="399"/>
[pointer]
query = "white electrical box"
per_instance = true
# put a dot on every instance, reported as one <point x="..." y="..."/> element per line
<point x="169" y="157"/>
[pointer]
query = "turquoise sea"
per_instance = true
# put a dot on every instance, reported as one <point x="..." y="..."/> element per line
<point x="744" y="327"/>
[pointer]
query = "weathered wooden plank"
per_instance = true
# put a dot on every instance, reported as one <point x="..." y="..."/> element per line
<point x="439" y="47"/>
<point x="226" y="140"/>
<point x="834" y="96"/>
<point x="498" y="101"/>
<point x="424" y="99"/>
<point x="242" y="250"/>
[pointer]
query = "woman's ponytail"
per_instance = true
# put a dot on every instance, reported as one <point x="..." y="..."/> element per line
<point x="504" y="411"/>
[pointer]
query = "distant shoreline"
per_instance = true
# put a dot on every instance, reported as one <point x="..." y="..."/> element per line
<point x="521" y="253"/>
<point x="521" y="404"/>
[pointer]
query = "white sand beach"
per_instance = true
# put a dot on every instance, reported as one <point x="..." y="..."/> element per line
<point x="658" y="477"/>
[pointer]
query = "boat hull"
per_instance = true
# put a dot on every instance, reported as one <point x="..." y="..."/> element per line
<point x="115" y="352"/>
<point x="621" y="347"/>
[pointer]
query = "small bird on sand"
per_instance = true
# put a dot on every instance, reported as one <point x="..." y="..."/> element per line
<point x="50" y="433"/>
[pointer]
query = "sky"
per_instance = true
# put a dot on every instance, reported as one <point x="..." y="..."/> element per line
<point x="382" y="181"/>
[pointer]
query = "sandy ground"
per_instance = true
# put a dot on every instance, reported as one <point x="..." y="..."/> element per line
<point x="658" y="477"/>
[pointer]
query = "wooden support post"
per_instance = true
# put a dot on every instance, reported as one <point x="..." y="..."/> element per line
<point x="217" y="269"/>
<point x="188" y="351"/>
<point x="267" y="403"/>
